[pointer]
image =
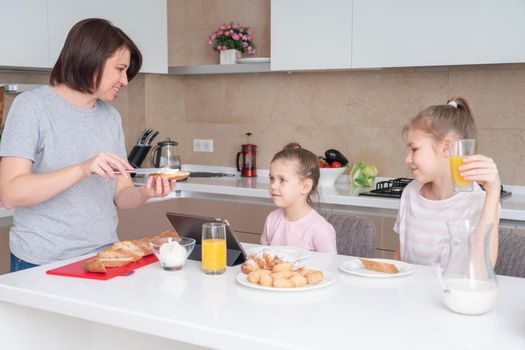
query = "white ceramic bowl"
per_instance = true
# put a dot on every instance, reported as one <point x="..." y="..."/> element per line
<point x="166" y="257"/>
<point x="329" y="175"/>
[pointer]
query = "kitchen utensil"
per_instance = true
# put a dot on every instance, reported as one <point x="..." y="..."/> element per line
<point x="150" y="137"/>
<point x="467" y="280"/>
<point x="165" y="155"/>
<point x="249" y="155"/>
<point x="76" y="269"/>
<point x="149" y="171"/>
<point x="209" y="174"/>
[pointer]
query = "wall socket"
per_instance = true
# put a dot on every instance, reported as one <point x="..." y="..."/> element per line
<point x="202" y="145"/>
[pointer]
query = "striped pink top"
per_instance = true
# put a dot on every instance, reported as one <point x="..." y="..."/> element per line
<point x="422" y="223"/>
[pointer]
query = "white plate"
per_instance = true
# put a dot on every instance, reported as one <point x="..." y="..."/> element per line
<point x="254" y="60"/>
<point x="286" y="252"/>
<point x="355" y="267"/>
<point x="327" y="281"/>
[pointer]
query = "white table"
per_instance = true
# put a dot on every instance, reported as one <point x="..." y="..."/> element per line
<point x="156" y="309"/>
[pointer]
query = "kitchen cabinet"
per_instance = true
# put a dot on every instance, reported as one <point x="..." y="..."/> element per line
<point x="406" y="33"/>
<point x="145" y="22"/>
<point x="35" y="30"/>
<point x="24" y="39"/>
<point x="309" y="35"/>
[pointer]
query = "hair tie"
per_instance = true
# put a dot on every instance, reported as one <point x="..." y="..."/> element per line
<point x="453" y="104"/>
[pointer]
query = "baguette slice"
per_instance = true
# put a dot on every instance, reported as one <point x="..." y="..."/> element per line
<point x="95" y="265"/>
<point x="379" y="266"/>
<point x="144" y="245"/>
<point x="117" y="257"/>
<point x="132" y="247"/>
<point x="179" y="175"/>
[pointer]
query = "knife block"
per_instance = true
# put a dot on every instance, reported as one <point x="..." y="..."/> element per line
<point x="137" y="155"/>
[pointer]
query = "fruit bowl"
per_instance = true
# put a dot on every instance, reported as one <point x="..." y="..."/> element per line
<point x="329" y="175"/>
<point x="172" y="252"/>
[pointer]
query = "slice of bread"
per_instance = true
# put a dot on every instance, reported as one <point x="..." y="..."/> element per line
<point x="130" y="246"/>
<point x="379" y="266"/>
<point x="117" y="257"/>
<point x="94" y="265"/>
<point x="179" y="175"/>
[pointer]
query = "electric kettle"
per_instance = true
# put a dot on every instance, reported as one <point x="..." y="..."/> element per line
<point x="165" y="155"/>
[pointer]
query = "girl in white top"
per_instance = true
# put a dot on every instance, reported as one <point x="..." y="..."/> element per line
<point x="429" y="201"/>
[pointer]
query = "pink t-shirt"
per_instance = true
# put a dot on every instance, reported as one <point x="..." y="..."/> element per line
<point x="422" y="223"/>
<point x="311" y="232"/>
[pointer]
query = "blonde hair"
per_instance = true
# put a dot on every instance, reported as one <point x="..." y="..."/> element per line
<point x="441" y="120"/>
<point x="308" y="164"/>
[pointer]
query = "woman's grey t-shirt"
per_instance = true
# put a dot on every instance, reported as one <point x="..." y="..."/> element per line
<point x="54" y="134"/>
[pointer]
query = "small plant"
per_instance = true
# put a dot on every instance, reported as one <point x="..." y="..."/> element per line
<point x="232" y="36"/>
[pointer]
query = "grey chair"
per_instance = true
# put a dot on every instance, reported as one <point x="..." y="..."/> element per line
<point x="355" y="236"/>
<point x="511" y="253"/>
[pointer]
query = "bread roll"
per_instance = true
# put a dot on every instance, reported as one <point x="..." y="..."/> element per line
<point x="298" y="281"/>
<point x="314" y="277"/>
<point x="286" y="266"/>
<point x="283" y="283"/>
<point x="253" y="277"/>
<point x="265" y="280"/>
<point x="281" y="274"/>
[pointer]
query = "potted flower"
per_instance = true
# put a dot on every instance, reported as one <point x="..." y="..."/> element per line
<point x="231" y="40"/>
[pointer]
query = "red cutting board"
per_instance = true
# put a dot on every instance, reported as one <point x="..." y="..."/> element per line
<point x="76" y="269"/>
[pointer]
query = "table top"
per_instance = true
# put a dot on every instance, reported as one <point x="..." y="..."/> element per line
<point x="218" y="312"/>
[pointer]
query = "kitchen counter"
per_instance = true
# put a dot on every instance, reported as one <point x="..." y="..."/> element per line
<point x="157" y="309"/>
<point x="341" y="197"/>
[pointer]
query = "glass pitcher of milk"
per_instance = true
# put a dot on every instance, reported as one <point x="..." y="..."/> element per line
<point x="467" y="278"/>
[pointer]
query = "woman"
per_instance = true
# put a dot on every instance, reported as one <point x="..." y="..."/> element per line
<point x="62" y="146"/>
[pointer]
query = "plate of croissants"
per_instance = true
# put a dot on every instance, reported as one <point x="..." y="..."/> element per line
<point x="381" y="268"/>
<point x="275" y="274"/>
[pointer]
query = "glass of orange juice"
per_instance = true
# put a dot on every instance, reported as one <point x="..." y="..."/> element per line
<point x="214" y="248"/>
<point x="458" y="149"/>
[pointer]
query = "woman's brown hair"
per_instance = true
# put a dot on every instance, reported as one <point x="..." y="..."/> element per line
<point x="308" y="164"/>
<point x="88" y="45"/>
<point x="455" y="117"/>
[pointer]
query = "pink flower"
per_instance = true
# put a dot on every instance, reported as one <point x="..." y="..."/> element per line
<point x="219" y="47"/>
<point x="220" y="32"/>
<point x="222" y="27"/>
<point x="244" y="44"/>
<point x="229" y="26"/>
<point x="213" y="36"/>
<point x="226" y="33"/>
<point x="210" y="42"/>
<point x="249" y="38"/>
<point x="236" y="26"/>
<point x="235" y="36"/>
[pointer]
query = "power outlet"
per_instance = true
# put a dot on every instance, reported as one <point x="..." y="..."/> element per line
<point x="202" y="145"/>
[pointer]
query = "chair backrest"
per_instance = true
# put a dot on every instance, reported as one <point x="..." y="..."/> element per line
<point x="511" y="253"/>
<point x="355" y="236"/>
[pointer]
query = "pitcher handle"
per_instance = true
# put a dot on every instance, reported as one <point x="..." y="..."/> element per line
<point x="438" y="269"/>
<point x="238" y="156"/>
<point x="155" y="149"/>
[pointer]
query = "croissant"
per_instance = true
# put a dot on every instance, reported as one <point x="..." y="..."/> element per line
<point x="379" y="266"/>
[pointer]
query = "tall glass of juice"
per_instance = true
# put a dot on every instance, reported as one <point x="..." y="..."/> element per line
<point x="458" y="149"/>
<point x="214" y="248"/>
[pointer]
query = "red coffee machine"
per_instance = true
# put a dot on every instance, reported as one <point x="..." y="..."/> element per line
<point x="249" y="155"/>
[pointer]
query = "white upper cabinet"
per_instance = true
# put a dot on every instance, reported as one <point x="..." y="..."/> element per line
<point x="145" y="22"/>
<point x="24" y="33"/>
<point x="314" y="34"/>
<point x="399" y="33"/>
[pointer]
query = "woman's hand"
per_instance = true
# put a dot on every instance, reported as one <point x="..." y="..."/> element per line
<point x="483" y="170"/>
<point x="157" y="186"/>
<point x="104" y="165"/>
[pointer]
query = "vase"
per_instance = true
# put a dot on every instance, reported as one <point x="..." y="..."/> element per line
<point x="230" y="56"/>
